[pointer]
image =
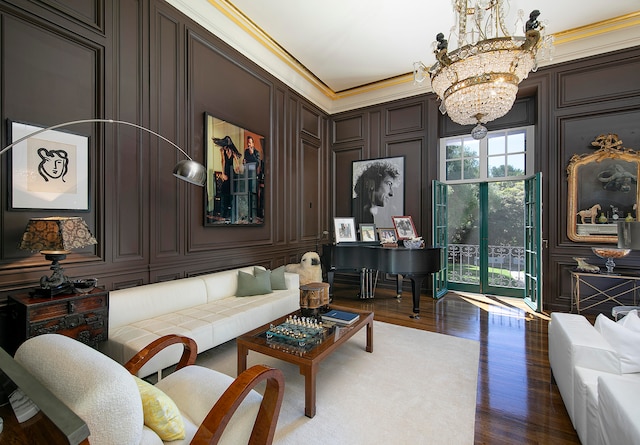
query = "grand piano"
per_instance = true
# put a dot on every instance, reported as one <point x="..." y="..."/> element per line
<point x="364" y="257"/>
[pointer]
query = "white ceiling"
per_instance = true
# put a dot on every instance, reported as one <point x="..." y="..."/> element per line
<point x="350" y="43"/>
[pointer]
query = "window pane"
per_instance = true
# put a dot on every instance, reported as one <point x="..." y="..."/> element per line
<point x="516" y="164"/>
<point x="496" y="145"/>
<point x="516" y="142"/>
<point x="454" y="170"/>
<point x="454" y="149"/>
<point x="471" y="169"/>
<point x="495" y="164"/>
<point x="502" y="154"/>
<point x="471" y="148"/>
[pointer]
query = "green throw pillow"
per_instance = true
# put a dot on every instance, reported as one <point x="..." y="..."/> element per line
<point x="249" y="285"/>
<point x="277" y="277"/>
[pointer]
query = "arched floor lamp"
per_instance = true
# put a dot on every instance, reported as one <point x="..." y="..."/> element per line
<point x="54" y="236"/>
<point x="187" y="169"/>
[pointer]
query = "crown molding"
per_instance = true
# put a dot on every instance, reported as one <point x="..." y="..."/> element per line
<point x="229" y="24"/>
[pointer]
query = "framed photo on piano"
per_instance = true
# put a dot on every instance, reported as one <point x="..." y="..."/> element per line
<point x="345" y="229"/>
<point x="368" y="232"/>
<point x="387" y="235"/>
<point x="404" y="227"/>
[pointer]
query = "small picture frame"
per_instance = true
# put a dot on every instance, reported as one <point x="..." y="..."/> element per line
<point x="345" y="229"/>
<point x="368" y="232"/>
<point x="387" y="235"/>
<point x="404" y="227"/>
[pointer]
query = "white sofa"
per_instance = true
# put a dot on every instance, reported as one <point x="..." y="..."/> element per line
<point x="594" y="379"/>
<point x="204" y="308"/>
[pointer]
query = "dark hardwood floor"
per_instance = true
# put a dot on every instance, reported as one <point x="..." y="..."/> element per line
<point x="517" y="402"/>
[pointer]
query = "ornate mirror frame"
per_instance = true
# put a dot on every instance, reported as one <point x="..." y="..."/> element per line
<point x="603" y="189"/>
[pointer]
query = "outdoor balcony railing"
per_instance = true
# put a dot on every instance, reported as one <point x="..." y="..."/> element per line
<point x="506" y="265"/>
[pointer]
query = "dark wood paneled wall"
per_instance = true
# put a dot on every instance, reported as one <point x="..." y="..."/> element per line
<point x="144" y="62"/>
<point x="570" y="104"/>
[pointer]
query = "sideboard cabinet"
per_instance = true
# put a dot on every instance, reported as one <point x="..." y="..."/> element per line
<point x="84" y="317"/>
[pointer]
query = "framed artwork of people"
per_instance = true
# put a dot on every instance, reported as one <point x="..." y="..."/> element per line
<point x="377" y="190"/>
<point x="235" y="159"/>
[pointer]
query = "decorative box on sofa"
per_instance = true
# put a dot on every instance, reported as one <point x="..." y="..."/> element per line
<point x="204" y="308"/>
<point x="593" y="378"/>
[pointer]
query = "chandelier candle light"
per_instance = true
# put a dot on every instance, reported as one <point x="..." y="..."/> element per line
<point x="478" y="82"/>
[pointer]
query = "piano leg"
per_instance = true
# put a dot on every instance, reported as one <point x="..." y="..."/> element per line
<point x="368" y="283"/>
<point x="399" y="286"/>
<point x="330" y="275"/>
<point x="416" y="286"/>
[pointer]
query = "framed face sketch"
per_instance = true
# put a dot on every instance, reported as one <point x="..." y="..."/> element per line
<point x="345" y="229"/>
<point x="49" y="170"/>
<point x="404" y="227"/>
<point x="377" y="190"/>
<point x="235" y="159"/>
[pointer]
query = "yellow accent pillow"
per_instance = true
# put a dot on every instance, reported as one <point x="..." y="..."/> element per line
<point x="161" y="414"/>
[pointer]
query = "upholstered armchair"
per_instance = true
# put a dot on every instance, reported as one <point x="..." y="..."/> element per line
<point x="118" y="408"/>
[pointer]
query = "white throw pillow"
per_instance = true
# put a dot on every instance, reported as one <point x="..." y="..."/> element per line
<point x="625" y="342"/>
<point x="631" y="321"/>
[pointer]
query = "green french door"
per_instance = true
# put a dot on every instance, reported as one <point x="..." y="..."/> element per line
<point x="440" y="229"/>
<point x="491" y="238"/>
<point x="533" y="242"/>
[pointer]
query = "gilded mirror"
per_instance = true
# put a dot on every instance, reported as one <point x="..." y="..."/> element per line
<point x="603" y="189"/>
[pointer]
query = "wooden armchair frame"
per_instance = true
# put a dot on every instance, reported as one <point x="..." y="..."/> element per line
<point x="212" y="427"/>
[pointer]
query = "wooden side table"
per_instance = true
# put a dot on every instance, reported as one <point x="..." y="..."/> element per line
<point x="84" y="317"/>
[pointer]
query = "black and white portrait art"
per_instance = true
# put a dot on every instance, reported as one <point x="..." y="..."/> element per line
<point x="377" y="190"/>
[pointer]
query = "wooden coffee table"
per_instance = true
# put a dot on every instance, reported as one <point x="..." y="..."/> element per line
<point x="308" y="361"/>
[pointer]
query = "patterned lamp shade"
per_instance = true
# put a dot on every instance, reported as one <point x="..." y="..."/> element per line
<point x="56" y="234"/>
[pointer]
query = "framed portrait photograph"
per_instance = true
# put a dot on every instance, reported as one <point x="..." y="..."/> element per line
<point x="404" y="227"/>
<point x="345" y="229"/>
<point x="387" y="235"/>
<point x="49" y="170"/>
<point x="368" y="232"/>
<point x="377" y="190"/>
<point x="235" y="161"/>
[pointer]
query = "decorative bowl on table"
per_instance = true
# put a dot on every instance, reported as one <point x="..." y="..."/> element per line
<point x="610" y="253"/>
<point x="84" y="286"/>
<point x="415" y="243"/>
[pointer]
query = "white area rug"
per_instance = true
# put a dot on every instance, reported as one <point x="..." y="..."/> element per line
<point x="417" y="387"/>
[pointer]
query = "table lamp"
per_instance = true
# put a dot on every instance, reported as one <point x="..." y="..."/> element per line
<point x="54" y="237"/>
<point x="629" y="235"/>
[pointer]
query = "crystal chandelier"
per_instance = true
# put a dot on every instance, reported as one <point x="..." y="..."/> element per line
<point x="478" y="82"/>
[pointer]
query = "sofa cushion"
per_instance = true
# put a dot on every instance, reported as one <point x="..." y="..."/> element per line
<point x="223" y="284"/>
<point x="127" y="306"/>
<point x="631" y="321"/>
<point x="619" y="417"/>
<point x="160" y="412"/>
<point x="210" y="385"/>
<point x="278" y="281"/>
<point x="249" y="284"/>
<point x="625" y="342"/>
